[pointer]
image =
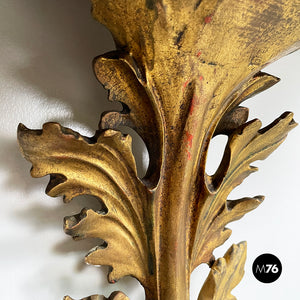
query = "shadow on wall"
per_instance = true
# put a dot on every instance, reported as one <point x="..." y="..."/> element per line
<point x="59" y="40"/>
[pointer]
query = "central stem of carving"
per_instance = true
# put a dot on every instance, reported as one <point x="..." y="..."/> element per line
<point x="173" y="199"/>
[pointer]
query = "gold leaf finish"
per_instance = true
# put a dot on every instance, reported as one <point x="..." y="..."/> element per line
<point x="181" y="69"/>
<point x="113" y="296"/>
<point x="246" y="144"/>
<point x="225" y="274"/>
<point x="139" y="113"/>
<point x="105" y="169"/>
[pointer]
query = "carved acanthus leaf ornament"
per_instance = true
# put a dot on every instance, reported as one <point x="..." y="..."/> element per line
<point x="181" y="69"/>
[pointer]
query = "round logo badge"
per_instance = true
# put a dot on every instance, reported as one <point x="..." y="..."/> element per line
<point x="267" y="268"/>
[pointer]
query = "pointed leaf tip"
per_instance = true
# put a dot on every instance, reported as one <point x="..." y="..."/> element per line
<point x="225" y="274"/>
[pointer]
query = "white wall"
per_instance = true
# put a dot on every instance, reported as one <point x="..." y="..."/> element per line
<point x="46" y="49"/>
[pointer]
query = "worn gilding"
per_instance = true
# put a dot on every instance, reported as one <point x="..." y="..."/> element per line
<point x="181" y="69"/>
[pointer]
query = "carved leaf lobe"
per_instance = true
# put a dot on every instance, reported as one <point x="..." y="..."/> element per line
<point x="246" y="144"/>
<point x="105" y="169"/>
<point x="122" y="78"/>
<point x="225" y="274"/>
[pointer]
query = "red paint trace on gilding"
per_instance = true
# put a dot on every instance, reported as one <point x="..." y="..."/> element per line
<point x="208" y="19"/>
<point x="195" y="101"/>
<point x="185" y="85"/>
<point x="189" y="155"/>
<point x="189" y="139"/>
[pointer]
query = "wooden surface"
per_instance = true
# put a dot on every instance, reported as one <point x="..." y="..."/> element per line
<point x="181" y="70"/>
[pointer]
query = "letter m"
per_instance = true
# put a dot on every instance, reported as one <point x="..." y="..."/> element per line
<point x="262" y="269"/>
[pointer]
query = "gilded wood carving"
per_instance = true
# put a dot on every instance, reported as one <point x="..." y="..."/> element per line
<point x="181" y="70"/>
